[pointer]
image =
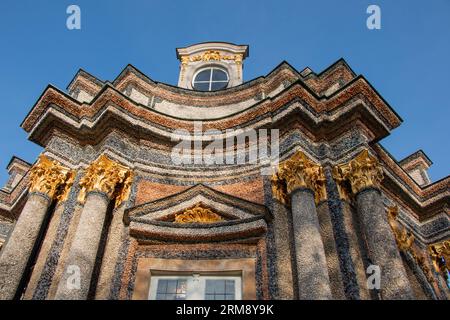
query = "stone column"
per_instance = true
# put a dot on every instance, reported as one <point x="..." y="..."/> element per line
<point x="103" y="179"/>
<point x="48" y="180"/>
<point x="305" y="183"/>
<point x="364" y="174"/>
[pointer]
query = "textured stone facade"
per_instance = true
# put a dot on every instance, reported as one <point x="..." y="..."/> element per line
<point x="105" y="192"/>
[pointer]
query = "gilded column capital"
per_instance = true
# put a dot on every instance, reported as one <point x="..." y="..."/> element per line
<point x="364" y="171"/>
<point x="106" y="176"/>
<point x="298" y="172"/>
<point x="51" y="178"/>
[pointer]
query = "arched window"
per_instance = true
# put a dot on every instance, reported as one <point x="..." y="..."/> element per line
<point x="210" y="79"/>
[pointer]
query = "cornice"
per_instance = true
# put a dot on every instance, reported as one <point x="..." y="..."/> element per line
<point x="86" y="115"/>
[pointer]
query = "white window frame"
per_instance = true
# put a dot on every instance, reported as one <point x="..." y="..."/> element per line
<point x="210" y="81"/>
<point x="195" y="284"/>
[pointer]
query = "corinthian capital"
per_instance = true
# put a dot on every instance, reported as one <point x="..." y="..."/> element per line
<point x="362" y="172"/>
<point x="300" y="172"/>
<point x="50" y="177"/>
<point x="108" y="177"/>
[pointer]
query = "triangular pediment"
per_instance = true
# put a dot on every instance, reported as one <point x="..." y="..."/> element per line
<point x="224" y="205"/>
<point x="197" y="214"/>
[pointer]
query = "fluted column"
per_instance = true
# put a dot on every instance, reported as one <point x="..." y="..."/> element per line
<point x="48" y="180"/>
<point x="364" y="175"/>
<point x="103" y="180"/>
<point x="305" y="183"/>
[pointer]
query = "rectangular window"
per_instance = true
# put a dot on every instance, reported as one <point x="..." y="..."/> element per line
<point x="195" y="287"/>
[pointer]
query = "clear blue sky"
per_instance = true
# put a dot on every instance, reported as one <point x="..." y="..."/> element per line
<point x="407" y="61"/>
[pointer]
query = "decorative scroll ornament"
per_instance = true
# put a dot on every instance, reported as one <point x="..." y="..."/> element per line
<point x="51" y="178"/>
<point x="108" y="177"/>
<point x="405" y="241"/>
<point x="198" y="214"/>
<point x="362" y="172"/>
<point x="299" y="172"/>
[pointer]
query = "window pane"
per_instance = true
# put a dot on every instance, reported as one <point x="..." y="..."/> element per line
<point x="218" y="85"/>
<point x="171" y="286"/>
<point x="209" y="287"/>
<point x="219" y="75"/>
<point x="203" y="75"/>
<point x="229" y="286"/>
<point x="201" y="86"/>
<point x="219" y="286"/>
<point x="162" y="286"/>
<point x="160" y="296"/>
<point x="181" y="286"/>
<point x="170" y="296"/>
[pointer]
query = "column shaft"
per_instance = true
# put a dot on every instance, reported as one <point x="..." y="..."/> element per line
<point x="83" y="250"/>
<point x="382" y="246"/>
<point x="17" y="250"/>
<point x="312" y="270"/>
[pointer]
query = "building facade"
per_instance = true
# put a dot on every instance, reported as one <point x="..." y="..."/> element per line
<point x="274" y="188"/>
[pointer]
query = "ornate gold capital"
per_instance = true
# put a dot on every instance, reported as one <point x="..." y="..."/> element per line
<point x="299" y="172"/>
<point x="51" y="178"/>
<point x="108" y="177"/>
<point x="363" y="171"/>
<point x="197" y="214"/>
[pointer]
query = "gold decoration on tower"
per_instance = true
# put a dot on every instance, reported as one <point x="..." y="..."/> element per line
<point x="440" y="252"/>
<point x="210" y="55"/>
<point x="405" y="242"/>
<point x="298" y="172"/>
<point x="64" y="194"/>
<point x="106" y="176"/>
<point x="184" y="63"/>
<point x="198" y="214"/>
<point x="362" y="172"/>
<point x="279" y="189"/>
<point x="403" y="237"/>
<point x="341" y="183"/>
<point x="51" y="178"/>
